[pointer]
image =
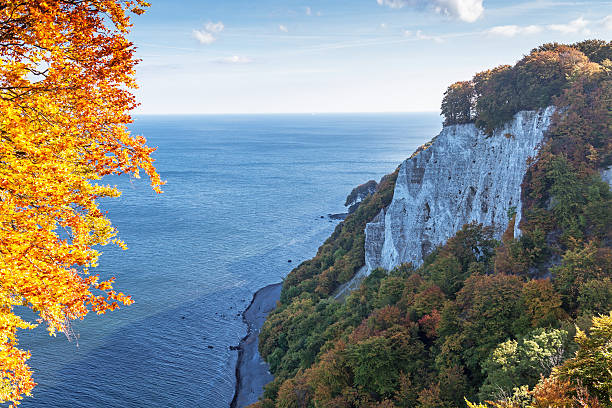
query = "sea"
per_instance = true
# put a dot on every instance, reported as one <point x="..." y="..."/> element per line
<point x="246" y="200"/>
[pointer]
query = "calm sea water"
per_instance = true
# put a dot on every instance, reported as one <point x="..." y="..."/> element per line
<point x="244" y="195"/>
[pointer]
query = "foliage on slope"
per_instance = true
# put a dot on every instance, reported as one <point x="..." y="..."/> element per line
<point x="342" y="254"/>
<point x="481" y="319"/>
<point x="312" y="282"/>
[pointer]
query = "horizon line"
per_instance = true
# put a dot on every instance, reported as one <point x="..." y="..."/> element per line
<point x="279" y="113"/>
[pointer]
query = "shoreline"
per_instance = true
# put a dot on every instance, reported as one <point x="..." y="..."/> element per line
<point x="251" y="371"/>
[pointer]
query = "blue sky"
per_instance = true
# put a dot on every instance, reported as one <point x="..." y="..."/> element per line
<point x="282" y="56"/>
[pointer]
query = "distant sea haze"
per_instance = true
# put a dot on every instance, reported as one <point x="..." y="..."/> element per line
<point x="244" y="195"/>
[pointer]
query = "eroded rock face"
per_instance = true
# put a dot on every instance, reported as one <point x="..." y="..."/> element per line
<point x="606" y="175"/>
<point x="463" y="176"/>
<point x="375" y="239"/>
<point x="359" y="194"/>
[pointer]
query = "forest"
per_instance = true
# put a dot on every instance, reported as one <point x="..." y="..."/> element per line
<point x="516" y="322"/>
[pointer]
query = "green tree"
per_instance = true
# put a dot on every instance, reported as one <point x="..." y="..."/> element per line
<point x="515" y="363"/>
<point x="489" y="310"/>
<point x="595" y="296"/>
<point x="592" y="365"/>
<point x="458" y="103"/>
<point x="578" y="266"/>
<point x="378" y="362"/>
<point x="496" y="97"/>
<point x="450" y="265"/>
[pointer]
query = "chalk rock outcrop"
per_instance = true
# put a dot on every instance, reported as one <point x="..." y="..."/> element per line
<point x="606" y="175"/>
<point x="359" y="194"/>
<point x="463" y="176"/>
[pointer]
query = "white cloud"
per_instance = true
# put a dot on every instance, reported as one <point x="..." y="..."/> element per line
<point x="235" y="59"/>
<point x="214" y="27"/>
<point x="607" y="22"/>
<point x="206" y="36"/>
<point x="531" y="29"/>
<point x="393" y="3"/>
<point x="578" y="25"/>
<point x="513" y="30"/>
<point x="283" y="28"/>
<point x="419" y="35"/>
<point x="465" y="10"/>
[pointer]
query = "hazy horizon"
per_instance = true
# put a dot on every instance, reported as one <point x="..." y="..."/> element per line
<point x="281" y="113"/>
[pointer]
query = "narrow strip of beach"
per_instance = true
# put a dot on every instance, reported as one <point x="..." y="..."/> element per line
<point x="251" y="371"/>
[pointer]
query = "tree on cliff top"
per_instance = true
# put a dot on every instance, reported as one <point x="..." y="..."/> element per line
<point x="458" y="102"/>
<point x="66" y="71"/>
<point x="493" y="96"/>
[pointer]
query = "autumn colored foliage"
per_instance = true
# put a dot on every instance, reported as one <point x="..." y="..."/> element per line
<point x="492" y="97"/>
<point x="521" y="323"/>
<point x="66" y="71"/>
<point x="458" y="103"/>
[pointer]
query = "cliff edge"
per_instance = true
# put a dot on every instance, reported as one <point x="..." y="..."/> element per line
<point x="463" y="176"/>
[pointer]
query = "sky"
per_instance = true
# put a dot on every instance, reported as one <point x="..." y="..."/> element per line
<point x="328" y="56"/>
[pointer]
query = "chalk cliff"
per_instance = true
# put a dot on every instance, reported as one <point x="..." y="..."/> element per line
<point x="463" y="176"/>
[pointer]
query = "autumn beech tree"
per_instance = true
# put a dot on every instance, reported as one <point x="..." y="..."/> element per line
<point x="66" y="72"/>
<point x="458" y="103"/>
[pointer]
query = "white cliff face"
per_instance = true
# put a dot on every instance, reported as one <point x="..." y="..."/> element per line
<point x="463" y="176"/>
<point x="606" y="175"/>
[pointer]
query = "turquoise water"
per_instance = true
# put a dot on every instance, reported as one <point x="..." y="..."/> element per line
<point x="244" y="195"/>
